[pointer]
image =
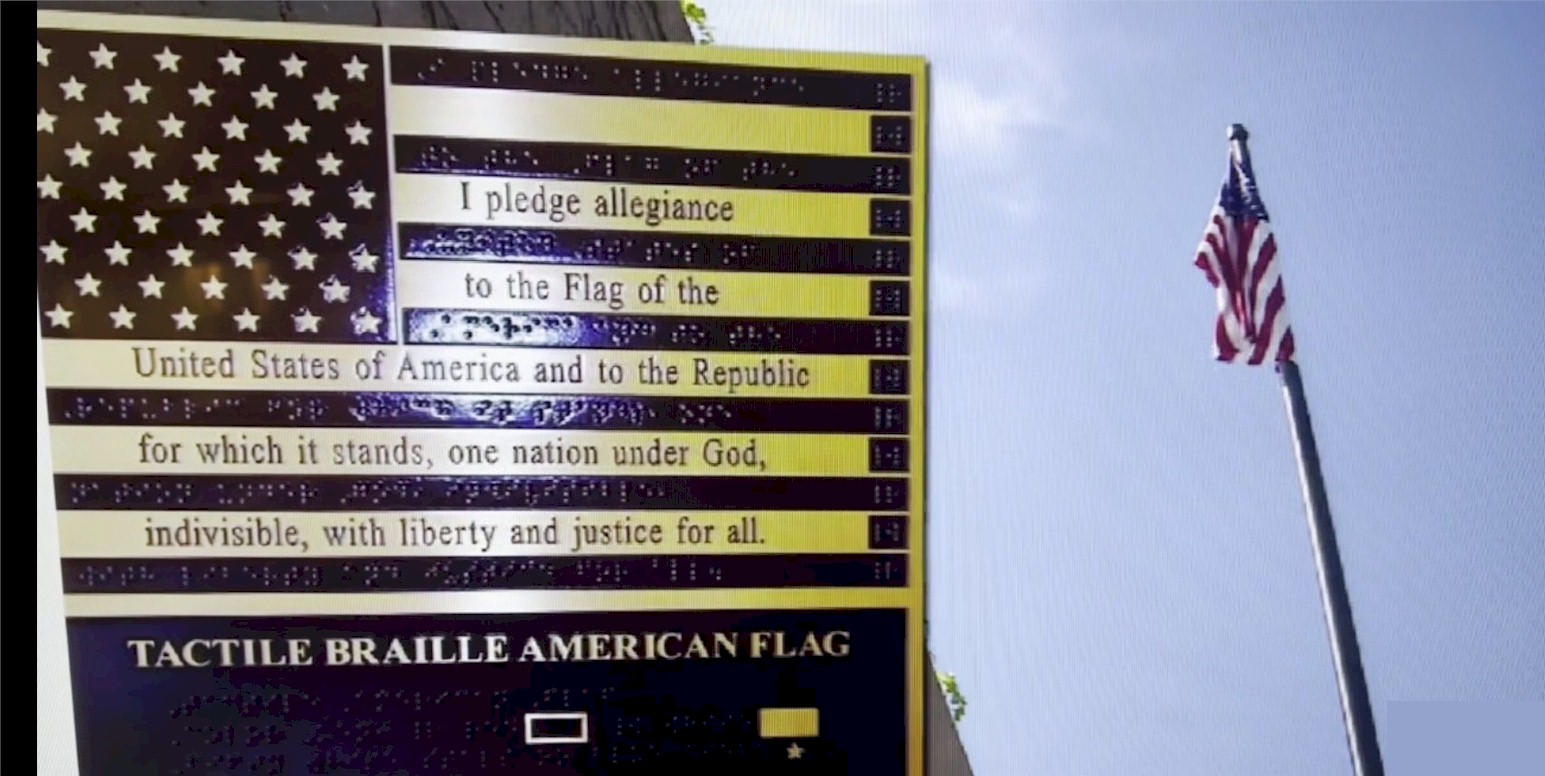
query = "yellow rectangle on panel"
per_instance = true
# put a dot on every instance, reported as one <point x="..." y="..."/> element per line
<point x="507" y="201"/>
<point x="545" y="288"/>
<point x="789" y="723"/>
<point x="441" y="111"/>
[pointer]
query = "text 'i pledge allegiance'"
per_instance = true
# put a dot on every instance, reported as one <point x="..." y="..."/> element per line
<point x="494" y="198"/>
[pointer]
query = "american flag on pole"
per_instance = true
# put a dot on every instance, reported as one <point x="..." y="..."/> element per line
<point x="1239" y="255"/>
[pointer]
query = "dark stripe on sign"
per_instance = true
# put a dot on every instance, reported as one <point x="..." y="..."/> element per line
<point x="485" y="328"/>
<point x="373" y="574"/>
<point x="663" y="250"/>
<point x="335" y="409"/>
<point x="322" y="493"/>
<point x="600" y="76"/>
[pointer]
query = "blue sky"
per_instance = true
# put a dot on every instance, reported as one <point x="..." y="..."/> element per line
<point x="1120" y="570"/>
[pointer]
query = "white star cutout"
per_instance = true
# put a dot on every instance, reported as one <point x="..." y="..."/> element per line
<point x="235" y="129"/>
<point x="84" y="221"/>
<point x="176" y="191"/>
<point x="239" y="193"/>
<point x="296" y="130"/>
<point x="143" y="157"/>
<point x="123" y="317"/>
<point x="355" y="69"/>
<point x="274" y="289"/>
<point x="138" y="92"/>
<point x="147" y="222"/>
<point x="59" y="316"/>
<point x="79" y="156"/>
<point x="171" y="126"/>
<point x="167" y="60"/>
<point x="300" y="195"/>
<point x="272" y="227"/>
<point x="88" y="285"/>
<point x="325" y="99"/>
<point x="48" y="188"/>
<point x="334" y="291"/>
<point x="364" y="322"/>
<point x="268" y="162"/>
<point x="294" y="67"/>
<point x="246" y="321"/>
<point x="112" y="188"/>
<point x="230" y="64"/>
<point x="305" y="321"/>
<point x="329" y="164"/>
<point x="206" y="159"/>
<point x="242" y="257"/>
<point x="264" y="97"/>
<point x="118" y="254"/>
<point x="184" y="319"/>
<point x="201" y="95"/>
<point x="43" y="52"/>
<point x="332" y="228"/>
<point x="103" y="57"/>
<point x="46" y="121"/>
<point x="107" y="123"/>
<point x="303" y="258"/>
<point x="180" y="256"/>
<point x="214" y="288"/>
<point x="796" y="751"/>
<point x="150" y="286"/>
<point x="53" y="252"/>
<point x="364" y="260"/>
<point x="209" y="224"/>
<point x="359" y="134"/>
<point x="73" y="90"/>
<point x="363" y="198"/>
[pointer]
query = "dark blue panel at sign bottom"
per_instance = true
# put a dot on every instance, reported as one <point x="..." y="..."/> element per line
<point x="685" y="717"/>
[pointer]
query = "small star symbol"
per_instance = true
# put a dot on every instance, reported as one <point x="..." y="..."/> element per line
<point x="201" y="95"/>
<point x="235" y="129"/>
<point x="795" y="751"/>
<point x="176" y="191"/>
<point x="364" y="322"/>
<point x="73" y="90"/>
<point x="359" y="134"/>
<point x="181" y="256"/>
<point x="84" y="221"/>
<point x="239" y="193"/>
<point x="123" y="318"/>
<point x="268" y="162"/>
<point x="355" y="69"/>
<point x="294" y="67"/>
<point x="138" y="92"/>
<point x="206" y="159"/>
<point x="296" y="130"/>
<point x="112" y="188"/>
<point x="364" y="260"/>
<point x="118" y="254"/>
<point x="326" y="100"/>
<point x="171" y="126"/>
<point x="79" y="155"/>
<point x="333" y="290"/>
<point x="329" y="164"/>
<point x="103" y="57"/>
<point x="264" y="97"/>
<point x="59" y="317"/>
<point x="46" y="121"/>
<point x="300" y="195"/>
<point x="230" y="64"/>
<point x="363" y="198"/>
<point x="167" y="60"/>
<point x="150" y="286"/>
<point x="214" y="288"/>
<point x="332" y="228"/>
<point x="242" y="257"/>
<point x="184" y="319"/>
<point x="274" y="289"/>
<point x="272" y="227"/>
<point x="209" y="224"/>
<point x="305" y="321"/>
<point x="303" y="258"/>
<point x="107" y="123"/>
<point x="147" y="222"/>
<point x="245" y="320"/>
<point x="53" y="252"/>
<point x="143" y="157"/>
<point x="89" y="285"/>
<point x="43" y="52"/>
<point x="48" y="188"/>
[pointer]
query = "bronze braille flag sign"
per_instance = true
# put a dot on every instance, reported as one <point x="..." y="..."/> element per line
<point x="448" y="403"/>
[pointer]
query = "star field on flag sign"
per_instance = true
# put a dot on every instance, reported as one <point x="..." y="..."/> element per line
<point x="211" y="189"/>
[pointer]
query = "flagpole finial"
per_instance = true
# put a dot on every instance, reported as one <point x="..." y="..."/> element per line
<point x="1238" y="132"/>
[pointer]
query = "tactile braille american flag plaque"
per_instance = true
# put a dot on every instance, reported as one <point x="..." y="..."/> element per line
<point x="430" y="402"/>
